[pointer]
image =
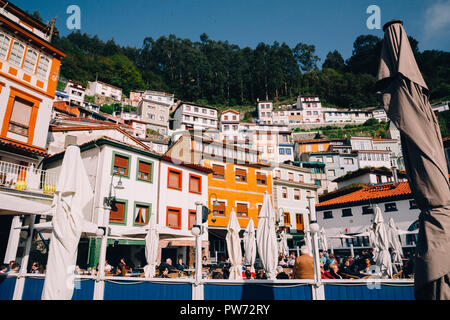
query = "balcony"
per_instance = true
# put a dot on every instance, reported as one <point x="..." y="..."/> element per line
<point x="17" y="177"/>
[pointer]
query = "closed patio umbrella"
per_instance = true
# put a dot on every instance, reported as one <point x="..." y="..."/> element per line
<point x="395" y="243"/>
<point x="151" y="248"/>
<point x="405" y="97"/>
<point x="234" y="247"/>
<point x="250" y="245"/>
<point x="283" y="245"/>
<point x="323" y="240"/>
<point x="266" y="238"/>
<point x="381" y="255"/>
<point x="71" y="204"/>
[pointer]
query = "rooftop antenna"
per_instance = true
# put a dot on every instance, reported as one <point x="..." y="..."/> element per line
<point x="52" y="28"/>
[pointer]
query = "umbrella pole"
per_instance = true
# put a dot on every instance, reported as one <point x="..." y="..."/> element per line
<point x="20" y="282"/>
<point x="197" y="293"/>
<point x="319" y="292"/>
<point x="99" y="282"/>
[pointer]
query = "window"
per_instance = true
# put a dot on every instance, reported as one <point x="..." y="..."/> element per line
<point x="261" y="178"/>
<point x="225" y="118"/>
<point x="347" y="213"/>
<point x="284" y="192"/>
<point x="241" y="175"/>
<point x="30" y="62"/>
<point x="4" y="45"/>
<point x="328" y="215"/>
<point x="211" y="112"/>
<point x="192" y="218"/>
<point x="43" y="67"/>
<point x="288" y="151"/>
<point x="412" y="205"/>
<point x="196" y="109"/>
<point x="173" y="218"/>
<point x="390" y="207"/>
<point x="348" y="161"/>
<point x="281" y="151"/>
<point x="195" y="184"/>
<point x="151" y="116"/>
<point x="270" y="150"/>
<point x="291" y="176"/>
<point x="329" y="159"/>
<point x="301" y="178"/>
<point x="205" y="111"/>
<point x="287" y="218"/>
<point x="17" y="53"/>
<point x="187" y="118"/>
<point x="367" y="210"/>
<point x="299" y="219"/>
<point x="144" y="171"/>
<point x="141" y="216"/>
<point x="174" y="179"/>
<point x="218" y="171"/>
<point x="219" y="210"/>
<point x="19" y="121"/>
<point x="296" y="194"/>
<point x="118" y="212"/>
<point x="121" y="165"/>
<point x="242" y="210"/>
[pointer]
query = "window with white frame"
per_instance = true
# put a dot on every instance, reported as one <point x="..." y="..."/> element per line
<point x="30" y="61"/>
<point x="4" y="45"/>
<point x="17" y="53"/>
<point x="43" y="67"/>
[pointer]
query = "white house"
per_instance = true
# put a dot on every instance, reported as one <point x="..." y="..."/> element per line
<point x="229" y="124"/>
<point x="194" y="116"/>
<point x="104" y="90"/>
<point x="265" y="109"/>
<point x="311" y="108"/>
<point x="333" y="115"/>
<point x="291" y="187"/>
<point x="372" y="176"/>
<point x="76" y="92"/>
<point x="353" y="212"/>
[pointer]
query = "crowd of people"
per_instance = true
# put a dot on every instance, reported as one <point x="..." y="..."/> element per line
<point x="289" y="267"/>
<point x="343" y="267"/>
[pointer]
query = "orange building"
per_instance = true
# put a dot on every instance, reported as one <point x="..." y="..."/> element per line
<point x="238" y="182"/>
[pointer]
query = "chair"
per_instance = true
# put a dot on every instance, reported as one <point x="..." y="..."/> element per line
<point x="398" y="275"/>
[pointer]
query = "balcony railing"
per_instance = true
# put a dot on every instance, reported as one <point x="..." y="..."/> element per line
<point x="17" y="177"/>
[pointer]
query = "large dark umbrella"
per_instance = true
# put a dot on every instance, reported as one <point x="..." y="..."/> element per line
<point x="405" y="97"/>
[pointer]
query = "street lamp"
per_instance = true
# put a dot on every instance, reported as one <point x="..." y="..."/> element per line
<point x="104" y="232"/>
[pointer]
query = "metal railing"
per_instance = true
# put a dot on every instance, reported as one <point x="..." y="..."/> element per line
<point x="14" y="176"/>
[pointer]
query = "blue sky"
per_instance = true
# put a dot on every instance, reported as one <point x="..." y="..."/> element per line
<point x="328" y="24"/>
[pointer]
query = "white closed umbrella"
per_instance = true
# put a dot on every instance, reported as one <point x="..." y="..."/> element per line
<point x="71" y="204"/>
<point x="151" y="248"/>
<point x="234" y="247"/>
<point x="266" y="238"/>
<point x="323" y="240"/>
<point x="283" y="245"/>
<point x="250" y="245"/>
<point x="394" y="241"/>
<point x="382" y="257"/>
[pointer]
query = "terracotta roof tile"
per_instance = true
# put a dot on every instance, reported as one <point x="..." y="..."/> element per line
<point x="368" y="193"/>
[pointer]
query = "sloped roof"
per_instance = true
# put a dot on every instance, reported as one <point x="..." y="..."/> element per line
<point x="369" y="194"/>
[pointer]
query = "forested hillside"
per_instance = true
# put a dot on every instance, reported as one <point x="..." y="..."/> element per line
<point x="220" y="73"/>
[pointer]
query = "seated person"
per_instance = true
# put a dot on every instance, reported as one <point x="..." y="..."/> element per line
<point x="334" y="272"/>
<point x="324" y="274"/>
<point x="165" y="272"/>
<point x="281" y="274"/>
<point x="180" y="265"/>
<point x="347" y="270"/>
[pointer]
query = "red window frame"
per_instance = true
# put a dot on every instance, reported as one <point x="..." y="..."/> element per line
<point x="200" y="183"/>
<point x="180" y="188"/>
<point x="192" y="213"/>
<point x="179" y="217"/>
